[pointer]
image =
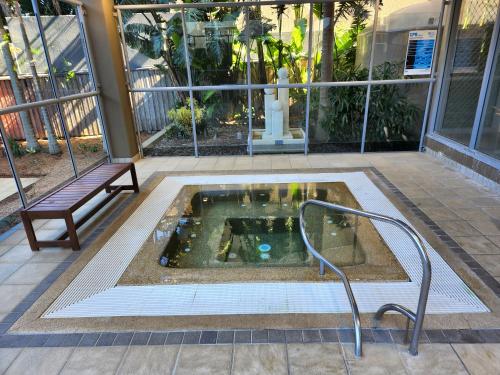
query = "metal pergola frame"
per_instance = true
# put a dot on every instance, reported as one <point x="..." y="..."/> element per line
<point x="249" y="86"/>
<point x="57" y="99"/>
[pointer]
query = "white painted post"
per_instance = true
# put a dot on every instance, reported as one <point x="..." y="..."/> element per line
<point x="277" y="120"/>
<point x="268" y="112"/>
<point x="283" y="98"/>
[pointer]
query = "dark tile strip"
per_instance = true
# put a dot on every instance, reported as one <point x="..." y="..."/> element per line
<point x="208" y="337"/>
<point x="223" y="337"/>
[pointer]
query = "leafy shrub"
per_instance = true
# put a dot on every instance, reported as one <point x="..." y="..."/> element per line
<point x="17" y="149"/>
<point x="176" y="131"/>
<point x="391" y="116"/>
<point x="93" y="147"/>
<point x="180" y="126"/>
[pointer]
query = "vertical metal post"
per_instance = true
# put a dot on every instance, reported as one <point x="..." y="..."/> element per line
<point x="53" y="84"/>
<point x="486" y="82"/>
<point x="129" y="81"/>
<point x="433" y="73"/>
<point x="370" y="75"/>
<point x="12" y="165"/>
<point x="190" y="82"/>
<point x="447" y="65"/>
<point x="80" y="12"/>
<point x="249" y="81"/>
<point x="309" y="77"/>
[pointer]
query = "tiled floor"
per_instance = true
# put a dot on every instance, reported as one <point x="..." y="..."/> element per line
<point x="255" y="359"/>
<point x="465" y="210"/>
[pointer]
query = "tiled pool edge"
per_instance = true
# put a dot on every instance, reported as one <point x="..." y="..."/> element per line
<point x="344" y="335"/>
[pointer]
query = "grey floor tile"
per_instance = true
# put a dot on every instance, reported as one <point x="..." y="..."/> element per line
<point x="204" y="359"/>
<point x="31" y="273"/>
<point x="377" y="359"/>
<point x="96" y="360"/>
<point x="89" y="339"/>
<point x="316" y="359"/>
<point x="242" y="337"/>
<point x="7" y="269"/>
<point x="225" y="337"/>
<point x="479" y="359"/>
<point x="7" y="356"/>
<point x="174" y="338"/>
<point x="439" y="359"/>
<point x="39" y="361"/>
<point x="260" y="359"/>
<point x="149" y="359"/>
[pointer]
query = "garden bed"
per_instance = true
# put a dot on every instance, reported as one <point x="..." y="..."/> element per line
<point x="226" y="142"/>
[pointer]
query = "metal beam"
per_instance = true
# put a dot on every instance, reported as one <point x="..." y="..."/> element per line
<point x="43" y="103"/>
<point x="218" y="4"/>
<point x="259" y="86"/>
<point x="309" y="77"/>
<point x="12" y="165"/>
<point x="433" y="73"/>
<point x="53" y="84"/>
<point x="370" y="75"/>
<point x="190" y="81"/>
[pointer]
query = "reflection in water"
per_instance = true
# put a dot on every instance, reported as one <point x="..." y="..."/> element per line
<point x="257" y="225"/>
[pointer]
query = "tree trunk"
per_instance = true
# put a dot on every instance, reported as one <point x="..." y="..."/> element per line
<point x="49" y="130"/>
<point x="262" y="62"/>
<point x="57" y="7"/>
<point x="31" y="141"/>
<point x="326" y="67"/>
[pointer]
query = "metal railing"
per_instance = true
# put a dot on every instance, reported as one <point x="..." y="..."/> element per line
<point x="418" y="317"/>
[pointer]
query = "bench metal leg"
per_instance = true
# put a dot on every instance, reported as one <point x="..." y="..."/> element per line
<point x="71" y="228"/>
<point x="30" y="232"/>
<point x="133" y="174"/>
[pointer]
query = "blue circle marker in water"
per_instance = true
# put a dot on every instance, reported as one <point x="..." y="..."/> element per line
<point x="264" y="248"/>
<point x="265" y="256"/>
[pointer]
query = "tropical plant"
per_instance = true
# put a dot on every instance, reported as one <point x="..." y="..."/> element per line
<point x="332" y="12"/>
<point x="391" y="114"/>
<point x="180" y="120"/>
<point x="16" y="148"/>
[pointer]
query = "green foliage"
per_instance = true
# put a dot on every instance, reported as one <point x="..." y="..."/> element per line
<point x="180" y="126"/>
<point x="391" y="115"/>
<point x="16" y="148"/>
<point x="89" y="147"/>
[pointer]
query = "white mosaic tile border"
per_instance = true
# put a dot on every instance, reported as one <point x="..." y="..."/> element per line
<point x="93" y="293"/>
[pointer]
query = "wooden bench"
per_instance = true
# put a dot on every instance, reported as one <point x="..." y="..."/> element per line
<point x="62" y="203"/>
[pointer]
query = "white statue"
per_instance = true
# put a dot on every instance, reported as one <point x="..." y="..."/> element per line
<point x="277" y="130"/>
<point x="283" y="97"/>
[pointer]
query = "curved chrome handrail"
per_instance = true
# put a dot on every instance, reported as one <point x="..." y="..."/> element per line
<point x="418" y="317"/>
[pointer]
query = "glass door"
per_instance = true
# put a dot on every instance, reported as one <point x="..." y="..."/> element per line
<point x="472" y="28"/>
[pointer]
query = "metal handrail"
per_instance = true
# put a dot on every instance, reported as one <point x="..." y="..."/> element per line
<point x="418" y="317"/>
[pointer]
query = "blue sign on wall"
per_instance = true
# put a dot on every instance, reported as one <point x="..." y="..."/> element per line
<point x="420" y="52"/>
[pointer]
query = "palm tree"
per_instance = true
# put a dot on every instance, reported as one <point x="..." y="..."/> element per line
<point x="331" y="15"/>
<point x="49" y="130"/>
<point x="32" y="144"/>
